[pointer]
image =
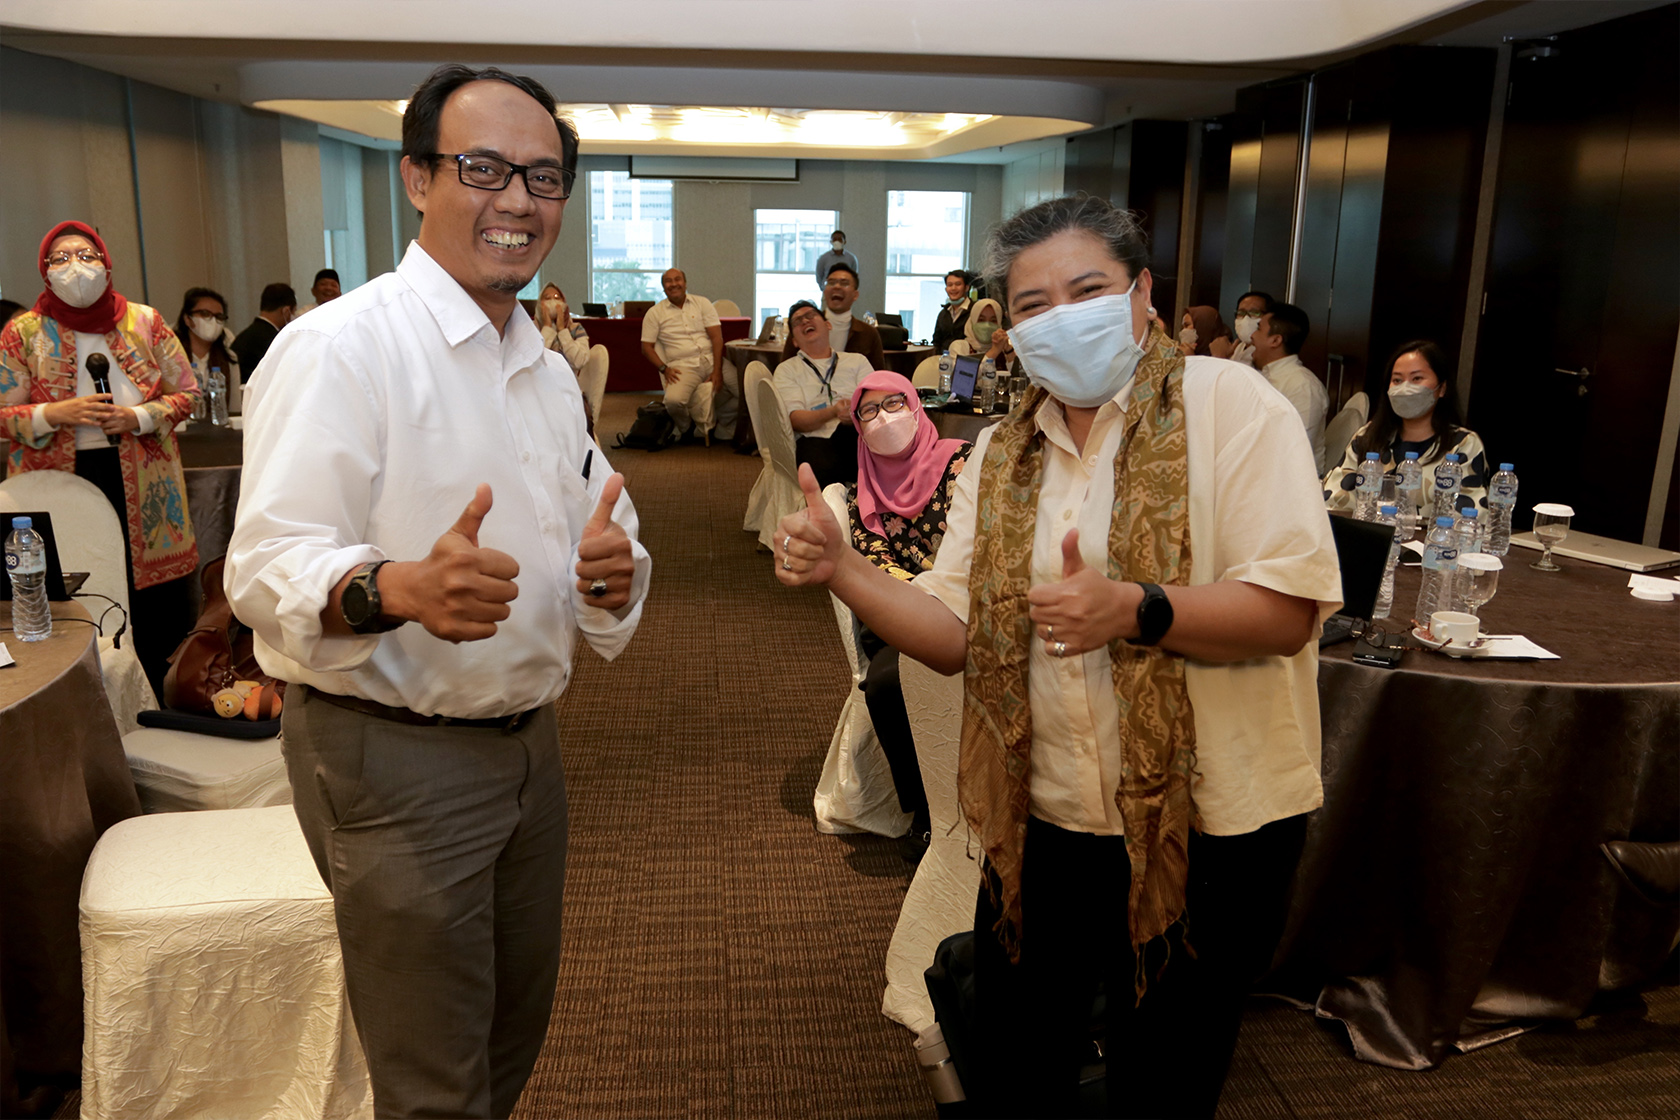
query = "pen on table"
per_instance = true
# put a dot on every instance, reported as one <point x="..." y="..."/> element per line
<point x="588" y="458"/>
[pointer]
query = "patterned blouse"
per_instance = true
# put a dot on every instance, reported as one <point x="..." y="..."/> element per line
<point x="1343" y="480"/>
<point x="906" y="545"/>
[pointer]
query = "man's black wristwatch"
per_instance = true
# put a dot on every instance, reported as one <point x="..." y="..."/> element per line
<point x="360" y="602"/>
<point x="1154" y="616"/>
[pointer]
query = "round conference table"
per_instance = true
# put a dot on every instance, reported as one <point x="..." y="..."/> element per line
<point x="64" y="780"/>
<point x="1451" y="891"/>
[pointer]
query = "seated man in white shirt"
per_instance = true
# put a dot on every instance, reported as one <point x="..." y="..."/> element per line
<point x="816" y="385"/>
<point x="1277" y="340"/>
<point x="682" y="337"/>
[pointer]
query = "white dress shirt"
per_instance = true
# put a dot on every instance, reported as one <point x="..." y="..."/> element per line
<point x="801" y="387"/>
<point x="368" y="428"/>
<point x="679" y="334"/>
<point x="1289" y="376"/>
<point x="1256" y="515"/>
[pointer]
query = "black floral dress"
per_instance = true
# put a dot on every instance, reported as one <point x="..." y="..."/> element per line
<point x="906" y="545"/>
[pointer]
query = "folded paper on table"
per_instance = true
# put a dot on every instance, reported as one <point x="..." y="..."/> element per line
<point x="1516" y="647"/>
<point x="1654" y="583"/>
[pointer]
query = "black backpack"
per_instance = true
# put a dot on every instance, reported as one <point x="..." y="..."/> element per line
<point x="654" y="430"/>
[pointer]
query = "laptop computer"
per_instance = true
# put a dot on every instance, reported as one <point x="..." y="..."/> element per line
<point x="637" y="308"/>
<point x="1362" y="554"/>
<point x="56" y="590"/>
<point x="595" y="310"/>
<point x="965" y="371"/>
<point x="1602" y="550"/>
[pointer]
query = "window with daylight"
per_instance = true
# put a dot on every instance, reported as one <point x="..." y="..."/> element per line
<point x="629" y="236"/>
<point x="927" y="236"/>
<point x="785" y="251"/>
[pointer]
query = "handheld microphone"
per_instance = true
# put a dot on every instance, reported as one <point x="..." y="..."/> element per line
<point x="99" y="369"/>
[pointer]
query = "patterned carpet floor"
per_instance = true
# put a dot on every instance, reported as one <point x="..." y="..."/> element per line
<point x="722" y="959"/>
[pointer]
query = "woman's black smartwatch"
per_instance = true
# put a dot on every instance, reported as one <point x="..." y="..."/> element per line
<point x="1154" y="616"/>
<point x="360" y="603"/>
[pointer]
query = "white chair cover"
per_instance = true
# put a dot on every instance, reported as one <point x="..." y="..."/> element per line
<point x="593" y="381"/>
<point x="961" y="347"/>
<point x="776" y="493"/>
<point x="726" y="307"/>
<point x="178" y="771"/>
<point x="927" y="374"/>
<point x="1340" y="431"/>
<point x="940" y="900"/>
<point x="211" y="975"/>
<point x="90" y="539"/>
<point x="855" y="792"/>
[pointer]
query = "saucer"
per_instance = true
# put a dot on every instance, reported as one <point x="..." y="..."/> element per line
<point x="1451" y="649"/>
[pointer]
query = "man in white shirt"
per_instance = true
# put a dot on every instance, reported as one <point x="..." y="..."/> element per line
<point x="847" y="334"/>
<point x="1277" y="340"/>
<point x="1250" y="307"/>
<point x="817" y="385"/>
<point x="682" y="338"/>
<point x="424" y="759"/>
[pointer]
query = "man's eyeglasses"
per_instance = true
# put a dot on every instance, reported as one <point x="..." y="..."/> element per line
<point x="86" y="256"/>
<point x="894" y="403"/>
<point x="489" y="173"/>
<point x="807" y="317"/>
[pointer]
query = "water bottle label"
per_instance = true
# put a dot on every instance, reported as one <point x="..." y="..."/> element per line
<point x="12" y="559"/>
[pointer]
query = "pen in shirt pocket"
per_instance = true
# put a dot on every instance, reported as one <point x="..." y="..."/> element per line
<point x="588" y="458"/>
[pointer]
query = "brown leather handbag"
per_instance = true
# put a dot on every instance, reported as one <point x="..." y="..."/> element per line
<point x="218" y="651"/>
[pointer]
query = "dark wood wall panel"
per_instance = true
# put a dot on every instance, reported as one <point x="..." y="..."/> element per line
<point x="1209" y="240"/>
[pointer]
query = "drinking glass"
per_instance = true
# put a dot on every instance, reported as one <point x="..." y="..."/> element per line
<point x="1551" y="526"/>
<point x="1480" y="572"/>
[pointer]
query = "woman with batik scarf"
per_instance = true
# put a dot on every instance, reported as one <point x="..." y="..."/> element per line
<point x="1135" y="565"/>
<point x="898" y="505"/>
<point x="93" y="383"/>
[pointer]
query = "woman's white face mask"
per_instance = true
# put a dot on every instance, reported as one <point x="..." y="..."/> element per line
<point x="205" y="326"/>
<point x="890" y="432"/>
<point x="1081" y="353"/>
<point x="1412" y="399"/>
<point x="1188" y="338"/>
<point x="78" y="284"/>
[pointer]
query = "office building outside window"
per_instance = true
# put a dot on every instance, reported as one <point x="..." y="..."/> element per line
<point x="629" y="236"/>
<point x="927" y="236"/>
<point x="786" y="246"/>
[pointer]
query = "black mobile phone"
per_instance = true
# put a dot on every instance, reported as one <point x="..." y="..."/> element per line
<point x="1383" y="650"/>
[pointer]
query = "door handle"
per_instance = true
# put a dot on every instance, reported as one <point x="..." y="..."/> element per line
<point x="1582" y="375"/>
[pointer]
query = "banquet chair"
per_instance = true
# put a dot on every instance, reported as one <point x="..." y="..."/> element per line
<point x="182" y="771"/>
<point x="1341" y="429"/>
<point x="940" y="901"/>
<point x="727" y="307"/>
<point x="90" y="539"/>
<point x="211" y="974"/>
<point x="592" y="380"/>
<point x="927" y="374"/>
<point x="776" y="493"/>
<point x="855" y="792"/>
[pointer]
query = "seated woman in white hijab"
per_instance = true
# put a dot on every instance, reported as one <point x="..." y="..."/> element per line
<point x="982" y="321"/>
<point x="1140" y="737"/>
<point x="559" y="332"/>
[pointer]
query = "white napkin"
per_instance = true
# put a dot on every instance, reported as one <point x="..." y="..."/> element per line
<point x="5" y="657"/>
<point x="1638" y="582"/>
<point x="1516" y="647"/>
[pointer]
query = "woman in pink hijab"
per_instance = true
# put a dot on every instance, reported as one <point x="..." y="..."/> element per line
<point x="906" y="474"/>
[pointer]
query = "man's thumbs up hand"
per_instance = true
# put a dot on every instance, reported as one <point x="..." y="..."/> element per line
<point x="606" y="565"/>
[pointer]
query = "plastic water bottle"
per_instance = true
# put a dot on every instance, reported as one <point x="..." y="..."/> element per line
<point x="26" y="564"/>
<point x="946" y="365"/>
<point x="1411" y="483"/>
<point x="1448" y="475"/>
<point x="1502" y="502"/>
<point x="215" y="395"/>
<point x="1440" y="566"/>
<point x="1467" y="535"/>
<point x="1388" y="515"/>
<point x="1369" y="493"/>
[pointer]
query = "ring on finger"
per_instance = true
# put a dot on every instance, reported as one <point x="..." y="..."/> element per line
<point x="787" y="563"/>
<point x="1058" y="649"/>
<point x="1049" y="633"/>
<point x="598" y="588"/>
<point x="786" y="541"/>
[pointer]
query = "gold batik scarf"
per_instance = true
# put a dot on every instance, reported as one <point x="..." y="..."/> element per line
<point x="1149" y="542"/>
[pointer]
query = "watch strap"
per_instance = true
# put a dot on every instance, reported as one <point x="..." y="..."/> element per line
<point x="1154" y="616"/>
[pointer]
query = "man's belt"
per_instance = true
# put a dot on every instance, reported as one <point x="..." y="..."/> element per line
<point x="507" y="725"/>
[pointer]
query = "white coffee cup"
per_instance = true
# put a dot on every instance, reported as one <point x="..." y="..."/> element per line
<point x="1454" y="626"/>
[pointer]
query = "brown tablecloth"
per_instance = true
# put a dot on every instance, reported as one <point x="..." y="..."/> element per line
<point x="1452" y="885"/>
<point x="63" y="782"/>
<point x="205" y="445"/>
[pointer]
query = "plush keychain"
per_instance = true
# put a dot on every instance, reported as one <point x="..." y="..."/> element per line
<point x="250" y="698"/>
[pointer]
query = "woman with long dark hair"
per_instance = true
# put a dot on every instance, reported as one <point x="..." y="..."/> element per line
<point x="202" y="328"/>
<point x="1418" y="413"/>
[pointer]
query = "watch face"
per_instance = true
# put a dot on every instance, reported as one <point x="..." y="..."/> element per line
<point x="355" y="603"/>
